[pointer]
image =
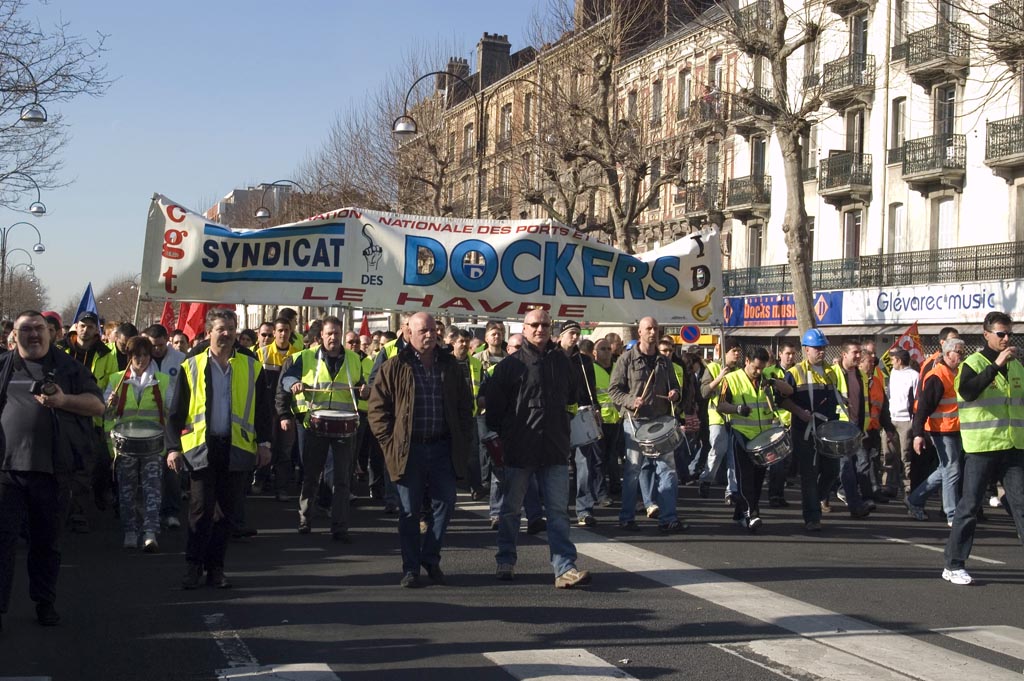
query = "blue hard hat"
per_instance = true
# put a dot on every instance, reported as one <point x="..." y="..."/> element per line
<point x="813" y="338"/>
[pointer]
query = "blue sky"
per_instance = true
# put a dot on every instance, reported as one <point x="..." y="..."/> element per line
<point x="213" y="95"/>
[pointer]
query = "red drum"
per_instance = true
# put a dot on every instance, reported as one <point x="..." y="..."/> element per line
<point x="495" y="449"/>
<point x="335" y="424"/>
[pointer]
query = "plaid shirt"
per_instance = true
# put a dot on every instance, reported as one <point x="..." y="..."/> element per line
<point x="428" y="420"/>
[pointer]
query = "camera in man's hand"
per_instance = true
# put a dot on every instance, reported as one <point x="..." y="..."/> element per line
<point x="46" y="386"/>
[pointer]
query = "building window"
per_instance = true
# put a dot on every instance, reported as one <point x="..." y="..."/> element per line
<point x="755" y="244"/>
<point x="451" y="145"/>
<point x="945" y="110"/>
<point x="503" y="177"/>
<point x="944" y="223"/>
<point x="809" y="144"/>
<point x="715" y="73"/>
<point x="810" y="234"/>
<point x="758" y="151"/>
<point x="631" y="105"/>
<point x="505" y="124"/>
<point x="851" y="233"/>
<point x="855" y="126"/>
<point x="859" y="34"/>
<point x="656" y="103"/>
<point x="655" y="178"/>
<point x="810" y="59"/>
<point x="468" y="140"/>
<point x="467" y="191"/>
<point x="897" y="228"/>
<point x="685" y="93"/>
<point x="898" y="131"/>
<point x="899" y="27"/>
<point x="527" y="111"/>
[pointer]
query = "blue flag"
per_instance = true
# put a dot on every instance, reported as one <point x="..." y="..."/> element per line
<point x="88" y="304"/>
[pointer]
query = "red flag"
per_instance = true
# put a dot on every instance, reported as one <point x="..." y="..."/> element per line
<point x="910" y="341"/>
<point x="167" y="317"/>
<point x="195" y="325"/>
<point x="364" y="328"/>
<point x="182" y="317"/>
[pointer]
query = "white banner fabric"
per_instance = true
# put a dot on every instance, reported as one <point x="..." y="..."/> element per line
<point x="370" y="259"/>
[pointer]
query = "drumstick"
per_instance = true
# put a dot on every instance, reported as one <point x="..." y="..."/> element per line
<point x="647" y="385"/>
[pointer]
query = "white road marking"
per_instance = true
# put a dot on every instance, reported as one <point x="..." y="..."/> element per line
<point x="280" y="672"/>
<point x="230" y="643"/>
<point x="937" y="549"/>
<point x="998" y="638"/>
<point x="847" y="634"/>
<point x="557" y="664"/>
<point x="303" y="549"/>
<point x="473" y="506"/>
<point x="794" y="658"/>
<point x="26" y="678"/>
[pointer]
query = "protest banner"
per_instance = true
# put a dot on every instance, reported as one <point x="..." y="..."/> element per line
<point x="495" y="268"/>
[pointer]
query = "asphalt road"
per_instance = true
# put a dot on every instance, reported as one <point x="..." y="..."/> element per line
<point x="863" y="599"/>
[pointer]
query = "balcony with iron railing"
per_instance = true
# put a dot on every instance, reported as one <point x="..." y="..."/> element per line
<point x="964" y="264"/>
<point x="898" y="52"/>
<point x="466" y="157"/>
<point x="749" y="197"/>
<point x="938" y="53"/>
<point x="845" y="177"/>
<point x="754" y="20"/>
<point x="849" y="81"/>
<point x="1006" y="30"/>
<point x="935" y="162"/>
<point x="811" y="80"/>
<point x="809" y="173"/>
<point x="709" y="113"/>
<point x="845" y="8"/>
<point x="1004" y="147"/>
<point x="750" y="110"/>
<point x="499" y="199"/>
<point x="702" y="200"/>
<point x="894" y="155"/>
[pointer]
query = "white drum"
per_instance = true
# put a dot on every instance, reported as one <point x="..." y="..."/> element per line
<point x="585" y="427"/>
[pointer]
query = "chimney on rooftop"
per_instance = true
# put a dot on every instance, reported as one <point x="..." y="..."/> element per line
<point x="457" y="66"/>
<point x="492" y="62"/>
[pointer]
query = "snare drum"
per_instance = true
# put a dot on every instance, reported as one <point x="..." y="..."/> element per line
<point x="774" y="444"/>
<point x="335" y="424"/>
<point x="137" y="438"/>
<point x="838" y="439"/>
<point x="658" y="436"/>
<point x="585" y="427"/>
<point x="495" y="449"/>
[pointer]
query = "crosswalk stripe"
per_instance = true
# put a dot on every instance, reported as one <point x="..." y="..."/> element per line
<point x="279" y="672"/>
<point x="937" y="549"/>
<point x="929" y="662"/>
<point x="795" y="658"/>
<point x="230" y="643"/>
<point x="556" y="664"/>
<point x="998" y="638"/>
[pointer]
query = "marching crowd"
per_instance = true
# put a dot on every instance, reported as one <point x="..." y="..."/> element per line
<point x="536" y="423"/>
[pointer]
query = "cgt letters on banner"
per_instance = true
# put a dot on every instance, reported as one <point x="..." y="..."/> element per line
<point x="362" y="258"/>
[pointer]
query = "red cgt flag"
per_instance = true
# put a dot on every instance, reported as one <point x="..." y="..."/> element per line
<point x="167" y="317"/>
<point x="195" y="325"/>
<point x="910" y="341"/>
<point x="364" y="328"/>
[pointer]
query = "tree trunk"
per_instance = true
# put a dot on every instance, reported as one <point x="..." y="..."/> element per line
<point x="794" y="226"/>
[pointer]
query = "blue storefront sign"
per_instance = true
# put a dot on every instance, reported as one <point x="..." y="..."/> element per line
<point x="780" y="310"/>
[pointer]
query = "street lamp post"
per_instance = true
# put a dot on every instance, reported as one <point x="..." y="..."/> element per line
<point x="34" y="113"/>
<point x="263" y="213"/>
<point x="4" y="233"/>
<point x="37" y="207"/>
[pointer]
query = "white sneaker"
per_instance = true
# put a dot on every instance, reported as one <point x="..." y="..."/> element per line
<point x="172" y="522"/>
<point x="994" y="502"/>
<point x="149" y="544"/>
<point x="959" y="577"/>
<point x="131" y="540"/>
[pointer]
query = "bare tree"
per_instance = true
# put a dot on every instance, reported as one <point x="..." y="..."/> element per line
<point x="39" y="67"/>
<point x="117" y="300"/>
<point x="600" y="142"/>
<point x="23" y="291"/>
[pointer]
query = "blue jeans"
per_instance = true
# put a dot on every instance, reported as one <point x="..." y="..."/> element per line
<point x="531" y="501"/>
<point x="848" y="479"/>
<point x="947" y="475"/>
<point x="553" y="482"/>
<point x="721" y="450"/>
<point x="656" y="474"/>
<point x="589" y="477"/>
<point x="428" y="467"/>
<point x="979" y="470"/>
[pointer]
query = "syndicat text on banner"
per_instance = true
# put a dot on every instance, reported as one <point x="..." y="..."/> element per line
<point x="362" y="258"/>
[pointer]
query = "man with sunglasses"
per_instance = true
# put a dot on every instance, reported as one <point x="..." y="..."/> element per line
<point x="527" y="397"/>
<point x="990" y="397"/>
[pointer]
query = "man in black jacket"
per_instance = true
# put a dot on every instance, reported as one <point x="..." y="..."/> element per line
<point x="589" y="471"/>
<point x="45" y="394"/>
<point x="527" y="398"/>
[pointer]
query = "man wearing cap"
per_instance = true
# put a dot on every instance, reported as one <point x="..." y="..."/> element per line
<point x="814" y="399"/>
<point x="589" y="472"/>
<point x="938" y="418"/>
<point x="88" y="348"/>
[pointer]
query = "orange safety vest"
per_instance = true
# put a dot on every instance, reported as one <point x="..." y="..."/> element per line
<point x="876" y="398"/>
<point x="946" y="417"/>
<point x="928" y="364"/>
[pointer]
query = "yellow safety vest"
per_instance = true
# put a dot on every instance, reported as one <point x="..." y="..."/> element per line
<point x="777" y="372"/>
<point x="245" y="371"/>
<point x="609" y="414"/>
<point x="995" y="421"/>
<point x="270" y="356"/>
<point x="102" y="368"/>
<point x="367" y="365"/>
<point x="843" y="388"/>
<point x="145" y="408"/>
<point x="761" y="417"/>
<point x="714" y="418"/>
<point x="314" y="375"/>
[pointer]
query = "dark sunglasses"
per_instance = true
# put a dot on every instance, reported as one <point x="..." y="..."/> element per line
<point x="541" y="325"/>
<point x="1000" y="334"/>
